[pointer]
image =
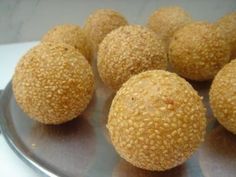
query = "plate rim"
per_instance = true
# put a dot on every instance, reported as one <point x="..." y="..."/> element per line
<point x="33" y="164"/>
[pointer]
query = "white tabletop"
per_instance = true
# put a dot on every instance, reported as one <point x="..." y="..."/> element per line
<point x="10" y="164"/>
<point x="17" y="25"/>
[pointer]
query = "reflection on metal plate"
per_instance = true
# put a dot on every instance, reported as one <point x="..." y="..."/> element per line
<point x="82" y="147"/>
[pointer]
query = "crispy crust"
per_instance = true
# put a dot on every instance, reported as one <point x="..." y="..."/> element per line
<point x="53" y="83"/>
<point x="127" y="51"/>
<point x="156" y="120"/>
<point x="223" y="96"/>
<point x="198" y="51"/>
<point x="72" y="35"/>
<point x="100" y="23"/>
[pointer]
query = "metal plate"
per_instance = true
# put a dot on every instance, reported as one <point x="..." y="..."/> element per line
<point x="82" y="148"/>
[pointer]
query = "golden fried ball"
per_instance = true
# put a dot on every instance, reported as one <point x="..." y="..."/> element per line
<point x="127" y="51"/>
<point x="165" y="21"/>
<point x="227" y="25"/>
<point x="72" y="35"/>
<point x="198" y="51"/>
<point x="100" y="23"/>
<point x="223" y="96"/>
<point x="53" y="83"/>
<point x="156" y="120"/>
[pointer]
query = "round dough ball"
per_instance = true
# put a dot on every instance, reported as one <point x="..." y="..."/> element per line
<point x="166" y="21"/>
<point x="223" y="96"/>
<point x="53" y="83"/>
<point x="198" y="51"/>
<point x="156" y="120"/>
<point x="72" y="35"/>
<point x="100" y="23"/>
<point x="127" y="51"/>
<point x="227" y="25"/>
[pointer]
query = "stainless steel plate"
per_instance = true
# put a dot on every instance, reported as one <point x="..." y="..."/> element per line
<point x="82" y="147"/>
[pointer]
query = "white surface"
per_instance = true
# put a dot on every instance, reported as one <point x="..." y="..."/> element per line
<point x="10" y="164"/>
<point x="24" y="20"/>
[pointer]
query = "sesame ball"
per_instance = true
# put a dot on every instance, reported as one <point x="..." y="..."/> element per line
<point x="223" y="96"/>
<point x="72" y="35"/>
<point x="100" y="23"/>
<point x="53" y="83"/>
<point x="165" y="21"/>
<point x="127" y="51"/>
<point x="156" y="120"/>
<point x="227" y="25"/>
<point x="198" y="51"/>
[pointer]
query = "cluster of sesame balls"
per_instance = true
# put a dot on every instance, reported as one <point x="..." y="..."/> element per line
<point x="156" y="120"/>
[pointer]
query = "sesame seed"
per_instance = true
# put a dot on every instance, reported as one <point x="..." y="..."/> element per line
<point x="127" y="51"/>
<point x="72" y="35"/>
<point x="198" y="51"/>
<point x="100" y="23"/>
<point x="159" y="138"/>
<point x="43" y="74"/>
<point x="227" y="25"/>
<point x="165" y="21"/>
<point x="222" y="96"/>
